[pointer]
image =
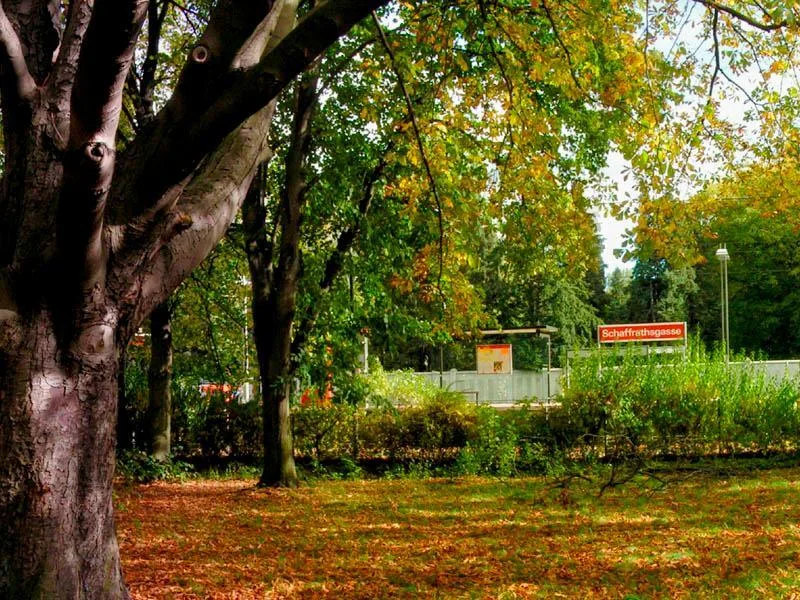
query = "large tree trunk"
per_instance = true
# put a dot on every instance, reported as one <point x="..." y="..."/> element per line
<point x="57" y="441"/>
<point x="91" y="242"/>
<point x="159" y="377"/>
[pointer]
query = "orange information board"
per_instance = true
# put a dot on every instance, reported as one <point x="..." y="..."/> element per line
<point x="641" y="332"/>
<point x="493" y="358"/>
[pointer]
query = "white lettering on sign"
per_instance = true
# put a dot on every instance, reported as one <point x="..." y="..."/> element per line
<point x="641" y="332"/>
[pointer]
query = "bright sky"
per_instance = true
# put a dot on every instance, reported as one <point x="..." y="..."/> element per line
<point x="732" y="108"/>
<point x="613" y="232"/>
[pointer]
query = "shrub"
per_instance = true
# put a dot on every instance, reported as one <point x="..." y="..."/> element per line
<point x="140" y="467"/>
<point x="439" y="423"/>
<point x="668" y="404"/>
<point x="214" y="425"/>
<point x="324" y="432"/>
<point x="493" y="451"/>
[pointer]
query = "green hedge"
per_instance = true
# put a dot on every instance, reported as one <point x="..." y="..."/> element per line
<point x="665" y="404"/>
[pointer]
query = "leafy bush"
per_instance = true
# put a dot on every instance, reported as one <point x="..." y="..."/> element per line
<point x="324" y="432"/>
<point x="439" y="423"/>
<point x="215" y="425"/>
<point x="493" y="451"/>
<point x="670" y="405"/>
<point x="142" y="468"/>
<point x="398" y="388"/>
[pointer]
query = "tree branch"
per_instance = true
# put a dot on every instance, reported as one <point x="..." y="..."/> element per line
<point x="147" y="82"/>
<point x="160" y="260"/>
<point x="17" y="82"/>
<point x="742" y="16"/>
<point x="561" y="43"/>
<point x="347" y="238"/>
<point x="259" y="246"/>
<point x="280" y="305"/>
<point x="717" y="61"/>
<point x="181" y="140"/>
<point x="417" y="134"/>
<point x="38" y="23"/>
<point x="62" y="79"/>
<point x="201" y="80"/>
<point x="96" y="103"/>
<point x="189" y="14"/>
<point x="335" y="262"/>
<point x="337" y="70"/>
<point x="105" y="57"/>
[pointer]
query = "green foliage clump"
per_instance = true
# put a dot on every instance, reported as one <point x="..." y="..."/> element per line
<point x="416" y="428"/>
<point x="493" y="450"/>
<point x="219" y="425"/>
<point x="138" y="466"/>
<point x="679" y="406"/>
<point x="324" y="432"/>
<point x="431" y="428"/>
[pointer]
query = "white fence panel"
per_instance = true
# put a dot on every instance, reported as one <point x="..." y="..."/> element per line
<point x="772" y="369"/>
<point x="500" y="388"/>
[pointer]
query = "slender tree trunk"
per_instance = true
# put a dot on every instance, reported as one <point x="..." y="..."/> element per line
<point x="160" y="379"/>
<point x="124" y="414"/>
<point x="57" y="441"/>
<point x="279" y="468"/>
<point x="273" y="313"/>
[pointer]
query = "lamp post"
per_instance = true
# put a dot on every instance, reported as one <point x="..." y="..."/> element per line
<point x="724" y="257"/>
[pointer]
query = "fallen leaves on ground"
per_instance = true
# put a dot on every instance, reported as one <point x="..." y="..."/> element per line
<point x="462" y="538"/>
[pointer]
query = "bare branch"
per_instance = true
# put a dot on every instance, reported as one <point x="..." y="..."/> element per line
<point x="17" y="82"/>
<point x="715" y="40"/>
<point x="753" y="50"/>
<point x="145" y="111"/>
<point x="718" y="70"/>
<point x="763" y="26"/>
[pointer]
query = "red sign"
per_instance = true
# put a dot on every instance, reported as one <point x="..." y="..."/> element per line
<point x="641" y="332"/>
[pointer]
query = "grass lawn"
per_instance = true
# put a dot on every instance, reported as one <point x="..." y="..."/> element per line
<point x="706" y="536"/>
